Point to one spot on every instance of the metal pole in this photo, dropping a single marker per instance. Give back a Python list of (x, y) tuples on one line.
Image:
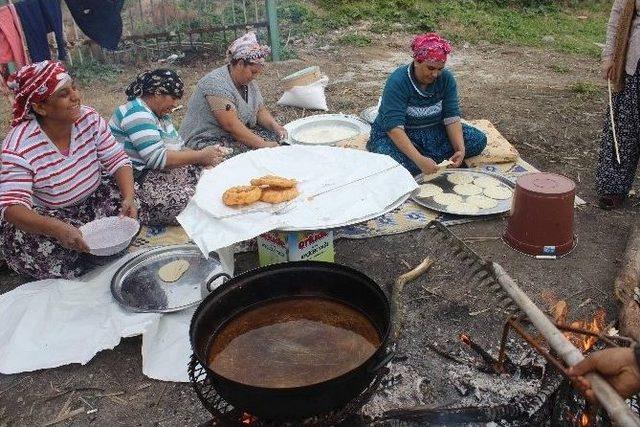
[(274, 33)]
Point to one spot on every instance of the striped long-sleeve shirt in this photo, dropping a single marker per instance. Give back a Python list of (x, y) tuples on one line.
[(145, 136), (35, 172)]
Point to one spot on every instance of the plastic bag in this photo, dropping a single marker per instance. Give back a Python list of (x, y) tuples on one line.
[(310, 97)]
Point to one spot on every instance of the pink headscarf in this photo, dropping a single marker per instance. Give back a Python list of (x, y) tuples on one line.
[(35, 83), (248, 49), (430, 47)]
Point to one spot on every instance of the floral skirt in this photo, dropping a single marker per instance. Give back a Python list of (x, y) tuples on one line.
[(229, 142), (163, 194), (613, 178), (43, 257), (432, 142)]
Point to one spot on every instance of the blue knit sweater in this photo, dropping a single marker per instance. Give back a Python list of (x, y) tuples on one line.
[(405, 105)]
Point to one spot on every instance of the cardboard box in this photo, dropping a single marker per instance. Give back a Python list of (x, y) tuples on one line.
[(283, 246)]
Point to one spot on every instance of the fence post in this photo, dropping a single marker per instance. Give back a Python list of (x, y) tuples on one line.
[(274, 33)]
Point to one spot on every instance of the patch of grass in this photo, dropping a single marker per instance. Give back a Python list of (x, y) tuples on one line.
[(559, 68), (575, 26), (584, 89), (91, 71), (355, 39)]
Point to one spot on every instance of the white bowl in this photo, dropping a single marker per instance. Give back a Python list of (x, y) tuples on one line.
[(110, 235)]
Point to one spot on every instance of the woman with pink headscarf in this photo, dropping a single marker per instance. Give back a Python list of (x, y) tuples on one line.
[(60, 169), (418, 122)]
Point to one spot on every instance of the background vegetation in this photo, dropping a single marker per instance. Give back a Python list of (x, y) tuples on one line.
[(567, 26)]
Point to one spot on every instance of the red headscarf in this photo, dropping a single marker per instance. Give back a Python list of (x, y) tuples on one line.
[(430, 47), (35, 83)]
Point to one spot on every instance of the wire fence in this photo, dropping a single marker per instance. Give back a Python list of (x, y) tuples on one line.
[(157, 29)]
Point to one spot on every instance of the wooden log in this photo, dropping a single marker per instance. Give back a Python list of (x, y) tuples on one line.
[(615, 406), (623, 287), (397, 312)]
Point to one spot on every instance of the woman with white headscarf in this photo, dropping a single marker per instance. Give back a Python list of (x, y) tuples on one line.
[(227, 108)]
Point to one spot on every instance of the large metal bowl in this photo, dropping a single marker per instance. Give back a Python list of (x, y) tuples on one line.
[(138, 287), (440, 179), (331, 122)]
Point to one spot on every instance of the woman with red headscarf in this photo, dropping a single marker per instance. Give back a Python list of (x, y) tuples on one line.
[(418, 121), (51, 178)]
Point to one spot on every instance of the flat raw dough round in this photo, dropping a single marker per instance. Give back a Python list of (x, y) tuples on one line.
[(467, 189), (463, 208), (460, 178), (429, 190), (482, 202), (446, 198), (486, 182), (173, 270), (498, 193)]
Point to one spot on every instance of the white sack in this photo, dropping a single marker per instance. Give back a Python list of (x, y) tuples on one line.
[(310, 97)]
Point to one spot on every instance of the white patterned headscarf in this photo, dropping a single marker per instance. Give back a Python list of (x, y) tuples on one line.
[(248, 49)]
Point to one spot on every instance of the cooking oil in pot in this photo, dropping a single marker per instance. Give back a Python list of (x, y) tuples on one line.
[(293, 342)]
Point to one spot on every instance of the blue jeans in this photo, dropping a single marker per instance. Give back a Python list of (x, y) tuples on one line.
[(432, 142)]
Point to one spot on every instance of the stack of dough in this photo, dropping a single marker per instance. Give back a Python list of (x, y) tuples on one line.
[(470, 194)]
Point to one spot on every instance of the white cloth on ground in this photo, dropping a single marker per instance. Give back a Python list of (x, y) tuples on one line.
[(55, 322)]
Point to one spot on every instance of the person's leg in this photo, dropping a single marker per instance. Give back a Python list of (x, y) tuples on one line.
[(164, 194), (379, 142), (42, 257), (434, 142), (105, 201), (613, 180), (475, 140)]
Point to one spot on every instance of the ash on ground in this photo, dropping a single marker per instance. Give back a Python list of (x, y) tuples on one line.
[(433, 368)]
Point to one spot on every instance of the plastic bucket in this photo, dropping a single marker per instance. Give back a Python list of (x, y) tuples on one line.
[(541, 222)]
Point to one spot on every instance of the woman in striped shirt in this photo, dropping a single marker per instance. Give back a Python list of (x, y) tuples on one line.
[(51, 177), (166, 173)]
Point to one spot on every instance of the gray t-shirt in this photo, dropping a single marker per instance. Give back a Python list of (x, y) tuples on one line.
[(199, 123)]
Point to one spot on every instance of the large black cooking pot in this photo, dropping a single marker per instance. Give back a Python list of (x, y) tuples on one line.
[(304, 278)]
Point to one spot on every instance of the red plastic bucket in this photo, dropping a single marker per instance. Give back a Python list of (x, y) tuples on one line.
[(541, 221)]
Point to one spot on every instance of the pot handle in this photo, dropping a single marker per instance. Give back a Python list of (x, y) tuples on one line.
[(214, 278), (386, 359)]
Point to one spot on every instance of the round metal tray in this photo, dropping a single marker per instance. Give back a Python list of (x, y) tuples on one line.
[(326, 120), (442, 181), (137, 286)]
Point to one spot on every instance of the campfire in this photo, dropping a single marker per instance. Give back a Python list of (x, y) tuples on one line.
[(458, 361)]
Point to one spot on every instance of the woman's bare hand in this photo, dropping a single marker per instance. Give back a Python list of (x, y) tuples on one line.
[(427, 165), (70, 237), (212, 155)]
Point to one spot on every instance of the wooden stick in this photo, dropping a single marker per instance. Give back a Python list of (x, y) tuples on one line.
[(616, 407), (397, 313), (613, 124)]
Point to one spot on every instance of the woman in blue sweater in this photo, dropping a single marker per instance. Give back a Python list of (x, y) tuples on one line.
[(418, 121)]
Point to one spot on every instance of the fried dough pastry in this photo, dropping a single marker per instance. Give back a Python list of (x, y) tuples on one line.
[(279, 195), (241, 195), (274, 181)]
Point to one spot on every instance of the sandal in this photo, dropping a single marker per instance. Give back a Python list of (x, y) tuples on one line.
[(611, 201)]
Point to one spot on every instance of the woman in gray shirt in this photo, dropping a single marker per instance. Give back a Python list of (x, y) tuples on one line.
[(227, 108)]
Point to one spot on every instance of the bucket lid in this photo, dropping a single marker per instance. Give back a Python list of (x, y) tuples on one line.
[(546, 183)]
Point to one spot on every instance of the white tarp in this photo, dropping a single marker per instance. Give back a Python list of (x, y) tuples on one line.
[(55, 322), (324, 201)]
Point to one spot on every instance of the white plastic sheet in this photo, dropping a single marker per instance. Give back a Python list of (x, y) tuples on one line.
[(376, 184), (55, 322)]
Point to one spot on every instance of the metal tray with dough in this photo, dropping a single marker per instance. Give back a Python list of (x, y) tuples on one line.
[(325, 129), (440, 179), (138, 287)]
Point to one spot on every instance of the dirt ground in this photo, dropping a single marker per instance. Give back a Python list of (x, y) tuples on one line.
[(526, 93)]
